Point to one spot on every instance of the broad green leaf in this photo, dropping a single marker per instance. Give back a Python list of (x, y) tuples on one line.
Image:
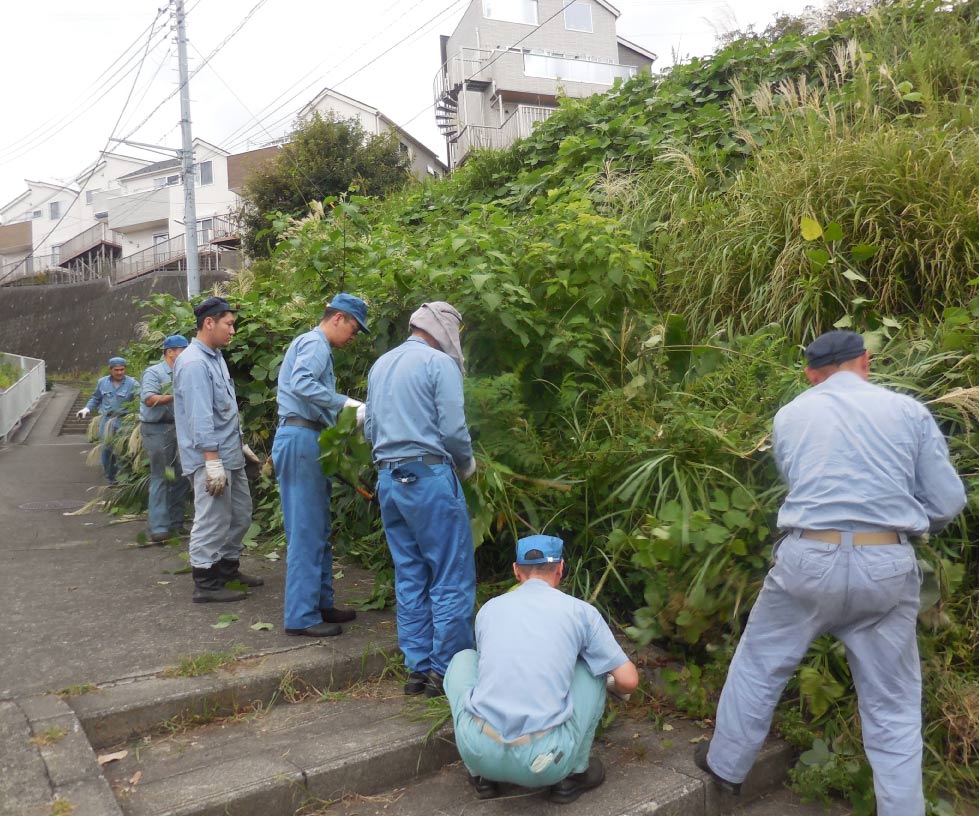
[(818, 258), (834, 232), (816, 756), (849, 274), (843, 323), (811, 230), (224, 621), (862, 252)]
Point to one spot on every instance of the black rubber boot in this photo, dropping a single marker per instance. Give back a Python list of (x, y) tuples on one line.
[(209, 586), (230, 571)]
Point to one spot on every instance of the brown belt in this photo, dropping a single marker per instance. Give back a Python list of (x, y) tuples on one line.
[(494, 735), (859, 539)]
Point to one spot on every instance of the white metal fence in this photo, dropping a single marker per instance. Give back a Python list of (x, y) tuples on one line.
[(18, 400)]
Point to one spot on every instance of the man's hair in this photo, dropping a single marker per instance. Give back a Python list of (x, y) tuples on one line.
[(329, 311), (201, 318), (539, 569)]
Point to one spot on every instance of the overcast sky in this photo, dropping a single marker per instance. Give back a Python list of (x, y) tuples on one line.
[(60, 107)]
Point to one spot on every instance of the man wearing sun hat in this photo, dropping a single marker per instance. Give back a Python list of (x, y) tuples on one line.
[(308, 403), (527, 701), (168, 486), (111, 399), (866, 468)]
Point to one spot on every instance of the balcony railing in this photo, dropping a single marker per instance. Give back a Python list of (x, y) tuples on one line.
[(90, 238), (17, 401), (465, 64), (518, 125), (28, 268)]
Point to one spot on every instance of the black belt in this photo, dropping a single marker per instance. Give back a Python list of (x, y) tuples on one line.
[(299, 422), (158, 422), (426, 459)]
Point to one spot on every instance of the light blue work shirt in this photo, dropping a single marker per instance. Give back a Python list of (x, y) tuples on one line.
[(415, 405), (528, 642), (206, 408), (156, 379), (307, 384), (111, 398), (856, 456)]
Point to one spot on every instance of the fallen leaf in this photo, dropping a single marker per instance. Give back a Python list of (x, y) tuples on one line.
[(701, 738), (667, 727), (163, 583), (105, 759), (134, 779), (224, 621), (260, 626)]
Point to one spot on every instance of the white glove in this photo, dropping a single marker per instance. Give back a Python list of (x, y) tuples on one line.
[(83, 414), (468, 470), (250, 455), (361, 415), (352, 403), (216, 479), (610, 688)]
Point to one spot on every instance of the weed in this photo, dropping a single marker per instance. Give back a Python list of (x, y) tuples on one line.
[(49, 736), (203, 663), (61, 807), (77, 690)]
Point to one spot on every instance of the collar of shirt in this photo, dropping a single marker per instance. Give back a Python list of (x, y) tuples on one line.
[(205, 348)]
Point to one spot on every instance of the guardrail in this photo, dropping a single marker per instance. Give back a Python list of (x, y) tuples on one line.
[(18, 400)]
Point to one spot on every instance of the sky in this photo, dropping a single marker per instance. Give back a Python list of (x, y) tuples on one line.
[(80, 73)]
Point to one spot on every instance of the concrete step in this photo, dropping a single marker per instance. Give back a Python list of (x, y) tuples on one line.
[(649, 770), (280, 759)]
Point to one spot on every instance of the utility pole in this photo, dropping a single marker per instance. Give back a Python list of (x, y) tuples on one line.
[(187, 154)]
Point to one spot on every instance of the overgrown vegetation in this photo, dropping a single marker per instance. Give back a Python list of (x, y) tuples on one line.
[(9, 374), (636, 280)]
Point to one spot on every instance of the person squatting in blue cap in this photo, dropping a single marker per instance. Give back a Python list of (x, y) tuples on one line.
[(527, 701), (111, 399), (865, 468), (309, 402), (168, 486)]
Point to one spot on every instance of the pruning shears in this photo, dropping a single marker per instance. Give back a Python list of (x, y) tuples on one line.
[(361, 488)]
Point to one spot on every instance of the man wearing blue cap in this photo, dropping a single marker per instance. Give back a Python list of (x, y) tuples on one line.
[(111, 399), (212, 455), (416, 424), (866, 468), (308, 403), (527, 702), (168, 486)]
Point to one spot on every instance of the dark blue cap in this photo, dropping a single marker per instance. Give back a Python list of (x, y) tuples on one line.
[(212, 307), (539, 549), (353, 306), (116, 361), (833, 348), (175, 341)]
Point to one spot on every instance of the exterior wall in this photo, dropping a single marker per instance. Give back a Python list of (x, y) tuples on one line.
[(241, 165), (77, 327), (629, 57)]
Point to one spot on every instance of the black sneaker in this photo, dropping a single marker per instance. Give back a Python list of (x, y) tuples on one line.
[(700, 760), (416, 683), (571, 787), (336, 615), (485, 788), (434, 687)]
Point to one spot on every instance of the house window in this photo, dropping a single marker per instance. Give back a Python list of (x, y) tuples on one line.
[(165, 181), (160, 246), (577, 15), (35, 214), (55, 253), (205, 230), (89, 196), (205, 173), (575, 70), (54, 210), (512, 11)]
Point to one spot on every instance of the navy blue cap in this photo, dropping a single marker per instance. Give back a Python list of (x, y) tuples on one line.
[(833, 348), (539, 549), (175, 341), (212, 307), (116, 361), (353, 306)]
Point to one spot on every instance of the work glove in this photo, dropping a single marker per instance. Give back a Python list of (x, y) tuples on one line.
[(468, 470), (352, 403), (361, 415), (215, 478), (83, 414), (250, 455)]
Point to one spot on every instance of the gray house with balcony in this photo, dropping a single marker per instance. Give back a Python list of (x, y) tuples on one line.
[(507, 62)]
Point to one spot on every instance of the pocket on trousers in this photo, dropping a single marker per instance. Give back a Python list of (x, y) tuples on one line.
[(897, 568)]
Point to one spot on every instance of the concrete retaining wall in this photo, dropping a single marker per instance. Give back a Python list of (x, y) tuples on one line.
[(78, 326)]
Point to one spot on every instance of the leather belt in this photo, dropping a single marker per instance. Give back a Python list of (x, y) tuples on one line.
[(427, 459), (859, 539), (299, 422), (494, 735), (158, 422)]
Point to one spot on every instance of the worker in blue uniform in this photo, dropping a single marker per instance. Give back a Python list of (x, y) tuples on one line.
[(212, 456), (416, 424), (527, 702), (866, 469), (168, 486), (112, 398), (308, 402)]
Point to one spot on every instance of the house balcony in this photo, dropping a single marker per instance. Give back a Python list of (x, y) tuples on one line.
[(519, 125), (31, 270), (15, 238), (95, 240), (172, 255), (136, 211)]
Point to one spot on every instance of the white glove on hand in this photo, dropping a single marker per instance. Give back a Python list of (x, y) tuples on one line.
[(250, 455), (352, 403), (610, 688), (361, 415), (468, 470), (83, 414), (216, 479)]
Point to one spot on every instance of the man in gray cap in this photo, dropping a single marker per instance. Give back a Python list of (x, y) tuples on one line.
[(111, 399), (416, 424), (526, 704), (168, 487), (866, 469), (212, 455), (308, 403)]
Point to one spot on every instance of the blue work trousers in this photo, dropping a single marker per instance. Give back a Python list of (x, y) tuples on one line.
[(540, 759), (426, 523), (168, 488), (220, 522), (108, 426), (305, 495), (868, 597)]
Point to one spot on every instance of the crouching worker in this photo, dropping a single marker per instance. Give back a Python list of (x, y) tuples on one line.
[(527, 702)]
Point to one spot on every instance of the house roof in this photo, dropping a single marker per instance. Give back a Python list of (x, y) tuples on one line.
[(610, 7), (150, 169), (637, 48)]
